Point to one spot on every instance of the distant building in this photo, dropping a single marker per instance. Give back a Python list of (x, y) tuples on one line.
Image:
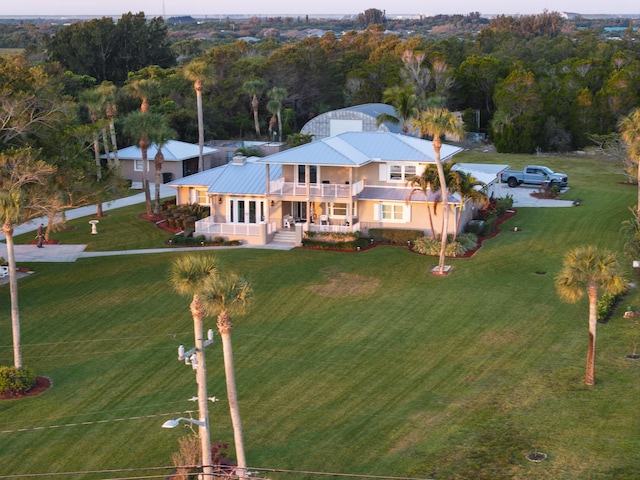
[(359, 118)]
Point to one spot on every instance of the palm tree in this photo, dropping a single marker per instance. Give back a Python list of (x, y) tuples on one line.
[(437, 122), (405, 102), (142, 89), (190, 276), (199, 72), (254, 88), (160, 136), (10, 206), (629, 127), (589, 269), (277, 96), (143, 126), (18, 171), (230, 294), (108, 91), (425, 183), (94, 101), (465, 186)]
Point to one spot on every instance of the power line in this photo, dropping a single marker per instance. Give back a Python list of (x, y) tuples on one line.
[(77, 424), (219, 472)]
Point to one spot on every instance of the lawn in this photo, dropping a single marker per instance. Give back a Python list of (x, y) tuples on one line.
[(358, 363)]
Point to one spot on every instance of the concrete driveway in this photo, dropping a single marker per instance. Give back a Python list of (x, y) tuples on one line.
[(522, 197)]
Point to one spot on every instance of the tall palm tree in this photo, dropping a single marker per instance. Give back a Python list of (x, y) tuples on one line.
[(160, 136), (190, 276), (629, 127), (589, 269), (437, 122), (405, 102), (226, 295), (199, 72), (278, 95), (143, 126), (425, 183), (18, 171), (108, 92), (10, 206), (93, 100), (255, 88)]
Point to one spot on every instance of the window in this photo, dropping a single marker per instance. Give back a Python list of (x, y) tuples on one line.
[(401, 172), (313, 174), (338, 209), (137, 165), (393, 212)]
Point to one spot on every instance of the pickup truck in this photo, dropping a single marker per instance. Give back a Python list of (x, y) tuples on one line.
[(534, 175)]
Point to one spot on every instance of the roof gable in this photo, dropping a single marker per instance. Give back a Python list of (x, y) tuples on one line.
[(173, 151), (355, 149)]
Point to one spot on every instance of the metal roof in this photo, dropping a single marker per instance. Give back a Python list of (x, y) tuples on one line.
[(354, 149), (402, 195), (372, 110), (485, 173), (248, 178), (173, 151)]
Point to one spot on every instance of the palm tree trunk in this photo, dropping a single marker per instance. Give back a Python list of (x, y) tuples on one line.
[(197, 311), (158, 164), (96, 154), (256, 121), (198, 88), (145, 181), (234, 410), (445, 207), (592, 292), (13, 293)]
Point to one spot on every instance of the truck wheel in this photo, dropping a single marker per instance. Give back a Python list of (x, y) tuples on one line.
[(512, 182)]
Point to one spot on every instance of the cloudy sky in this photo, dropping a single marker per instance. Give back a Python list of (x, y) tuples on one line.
[(284, 7)]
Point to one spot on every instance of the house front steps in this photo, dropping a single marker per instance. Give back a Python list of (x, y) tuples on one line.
[(285, 237)]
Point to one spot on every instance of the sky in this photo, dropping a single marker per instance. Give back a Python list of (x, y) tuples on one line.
[(290, 7)]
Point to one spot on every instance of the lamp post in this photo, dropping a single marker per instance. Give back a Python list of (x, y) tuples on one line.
[(195, 358)]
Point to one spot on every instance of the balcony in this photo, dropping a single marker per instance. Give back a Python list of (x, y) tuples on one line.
[(316, 190)]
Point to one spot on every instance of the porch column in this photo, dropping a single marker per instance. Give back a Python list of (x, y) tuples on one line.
[(307, 184), (350, 204), (266, 190)]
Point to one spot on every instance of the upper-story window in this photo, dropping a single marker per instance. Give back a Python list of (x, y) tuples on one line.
[(313, 174), (401, 173)]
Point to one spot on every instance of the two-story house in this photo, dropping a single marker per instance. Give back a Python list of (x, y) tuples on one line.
[(349, 182)]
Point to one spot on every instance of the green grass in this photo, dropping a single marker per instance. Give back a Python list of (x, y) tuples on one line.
[(387, 371)]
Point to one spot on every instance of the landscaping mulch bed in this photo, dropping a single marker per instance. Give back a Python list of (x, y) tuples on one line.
[(160, 222), (42, 385)]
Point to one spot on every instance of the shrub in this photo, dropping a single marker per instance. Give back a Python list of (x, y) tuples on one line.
[(350, 245), (463, 244), (16, 382), (503, 204), (182, 239), (333, 237), (395, 235), (184, 216), (606, 305)]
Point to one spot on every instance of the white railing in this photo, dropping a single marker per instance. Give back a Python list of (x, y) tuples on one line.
[(325, 190), (314, 227), (207, 226)]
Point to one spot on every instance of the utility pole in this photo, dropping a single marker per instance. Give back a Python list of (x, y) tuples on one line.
[(195, 358)]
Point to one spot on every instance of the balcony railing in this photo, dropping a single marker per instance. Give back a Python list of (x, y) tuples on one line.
[(323, 190)]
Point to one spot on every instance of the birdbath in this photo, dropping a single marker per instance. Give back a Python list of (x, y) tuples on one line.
[(93, 223)]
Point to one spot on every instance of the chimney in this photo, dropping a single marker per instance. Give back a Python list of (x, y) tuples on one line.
[(238, 159)]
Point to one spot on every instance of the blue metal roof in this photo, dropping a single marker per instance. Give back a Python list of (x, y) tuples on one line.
[(402, 195), (353, 149), (173, 151), (248, 178)]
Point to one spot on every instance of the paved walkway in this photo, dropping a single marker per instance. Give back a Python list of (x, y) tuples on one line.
[(70, 253)]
